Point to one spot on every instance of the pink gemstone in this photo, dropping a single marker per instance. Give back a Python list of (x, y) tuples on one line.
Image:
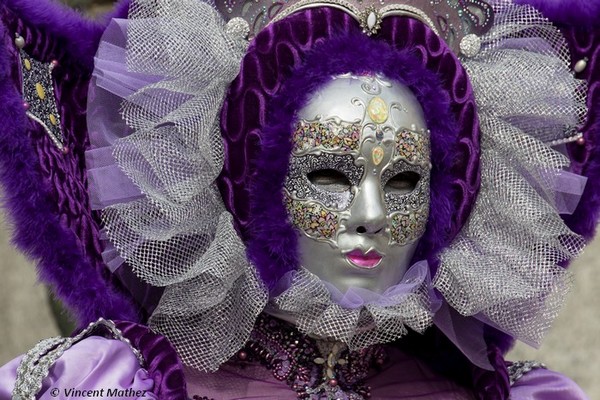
[(54, 63), (26, 105), (581, 141), (65, 150), (242, 355), (333, 382)]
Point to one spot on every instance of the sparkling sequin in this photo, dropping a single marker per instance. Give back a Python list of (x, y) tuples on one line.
[(412, 147), (312, 218), (407, 228), (378, 110), (298, 185), (329, 135)]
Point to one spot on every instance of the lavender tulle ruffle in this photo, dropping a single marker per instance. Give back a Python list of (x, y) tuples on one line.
[(113, 82)]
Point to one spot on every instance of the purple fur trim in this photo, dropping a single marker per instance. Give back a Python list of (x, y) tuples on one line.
[(273, 244), (40, 232), (571, 12)]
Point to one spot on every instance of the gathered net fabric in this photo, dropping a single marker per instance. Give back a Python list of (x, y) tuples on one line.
[(534, 88), (504, 267), (179, 235), (310, 302)]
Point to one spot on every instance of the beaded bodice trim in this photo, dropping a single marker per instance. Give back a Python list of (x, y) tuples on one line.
[(313, 368)]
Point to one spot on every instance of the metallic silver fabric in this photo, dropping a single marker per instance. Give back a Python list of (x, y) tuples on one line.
[(504, 266), (518, 369), (179, 235)]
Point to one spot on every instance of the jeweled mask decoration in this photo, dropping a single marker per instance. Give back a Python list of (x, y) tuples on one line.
[(357, 188)]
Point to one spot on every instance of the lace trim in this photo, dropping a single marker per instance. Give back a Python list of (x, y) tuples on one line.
[(519, 368), (36, 363)]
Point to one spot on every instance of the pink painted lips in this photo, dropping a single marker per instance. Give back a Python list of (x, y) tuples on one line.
[(362, 260)]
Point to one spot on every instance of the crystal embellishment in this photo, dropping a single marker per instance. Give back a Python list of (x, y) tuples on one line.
[(377, 155), (38, 94), (378, 110), (370, 21), (470, 45)]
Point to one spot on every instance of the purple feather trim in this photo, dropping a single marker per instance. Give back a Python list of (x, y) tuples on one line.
[(571, 12)]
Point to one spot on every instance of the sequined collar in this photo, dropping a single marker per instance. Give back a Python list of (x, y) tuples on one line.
[(313, 368)]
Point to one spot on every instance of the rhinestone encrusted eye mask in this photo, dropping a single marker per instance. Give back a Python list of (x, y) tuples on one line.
[(357, 187)]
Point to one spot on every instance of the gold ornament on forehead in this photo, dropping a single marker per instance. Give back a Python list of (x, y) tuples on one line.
[(378, 110), (377, 154)]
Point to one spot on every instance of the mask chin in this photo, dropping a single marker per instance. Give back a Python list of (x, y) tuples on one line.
[(357, 190)]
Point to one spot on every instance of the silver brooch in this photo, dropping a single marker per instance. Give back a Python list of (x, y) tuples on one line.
[(370, 21)]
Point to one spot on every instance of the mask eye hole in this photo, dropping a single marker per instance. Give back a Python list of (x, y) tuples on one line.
[(402, 183), (330, 180)]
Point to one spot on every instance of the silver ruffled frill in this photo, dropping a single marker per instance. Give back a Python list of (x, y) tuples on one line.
[(504, 267), (178, 235)]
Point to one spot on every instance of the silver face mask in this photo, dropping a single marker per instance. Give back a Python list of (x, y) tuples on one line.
[(357, 188)]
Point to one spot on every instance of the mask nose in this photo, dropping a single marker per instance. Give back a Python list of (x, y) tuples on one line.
[(368, 214)]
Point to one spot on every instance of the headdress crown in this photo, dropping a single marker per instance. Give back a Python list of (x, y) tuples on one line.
[(450, 19)]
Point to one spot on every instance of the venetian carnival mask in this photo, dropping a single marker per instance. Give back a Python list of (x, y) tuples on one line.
[(357, 188)]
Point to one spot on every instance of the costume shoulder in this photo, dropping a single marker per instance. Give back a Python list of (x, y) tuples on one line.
[(540, 383), (110, 366), (46, 62)]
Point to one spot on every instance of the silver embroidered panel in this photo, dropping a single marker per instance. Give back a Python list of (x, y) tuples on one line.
[(38, 94)]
